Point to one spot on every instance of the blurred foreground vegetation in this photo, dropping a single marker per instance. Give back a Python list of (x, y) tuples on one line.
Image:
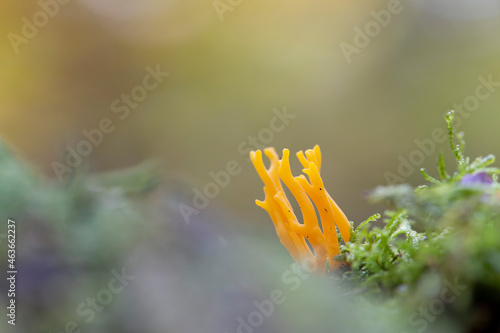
[(434, 264)]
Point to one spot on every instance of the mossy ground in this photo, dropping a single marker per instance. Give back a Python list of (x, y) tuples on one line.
[(436, 237)]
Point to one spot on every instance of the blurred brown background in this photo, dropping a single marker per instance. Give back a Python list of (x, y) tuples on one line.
[(226, 77)]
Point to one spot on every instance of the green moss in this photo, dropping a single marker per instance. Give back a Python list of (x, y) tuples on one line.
[(445, 230)]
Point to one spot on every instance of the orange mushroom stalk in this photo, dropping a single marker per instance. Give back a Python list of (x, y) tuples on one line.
[(307, 191)]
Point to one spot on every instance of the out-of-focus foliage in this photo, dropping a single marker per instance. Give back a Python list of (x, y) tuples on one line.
[(70, 236)]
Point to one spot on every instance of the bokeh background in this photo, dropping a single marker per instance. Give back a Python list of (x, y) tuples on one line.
[(226, 77)]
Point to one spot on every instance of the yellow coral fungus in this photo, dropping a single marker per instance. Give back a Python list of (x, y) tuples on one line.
[(307, 191)]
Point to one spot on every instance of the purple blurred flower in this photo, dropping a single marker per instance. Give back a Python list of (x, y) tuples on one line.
[(477, 178)]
